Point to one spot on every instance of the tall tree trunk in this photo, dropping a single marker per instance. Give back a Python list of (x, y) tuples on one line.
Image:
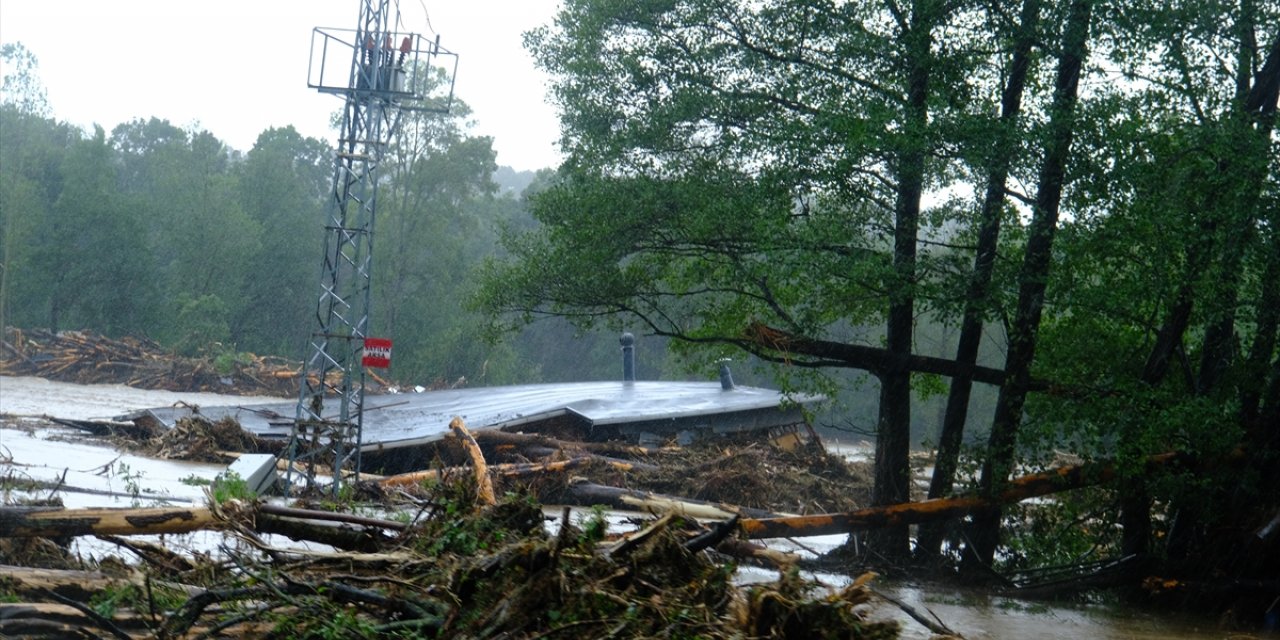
[(893, 437), (1135, 503), (952, 435), (1261, 104), (1263, 349), (1244, 161), (1269, 409), (1034, 275), (1253, 119)]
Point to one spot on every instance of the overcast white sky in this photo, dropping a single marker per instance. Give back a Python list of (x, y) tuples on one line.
[(237, 67)]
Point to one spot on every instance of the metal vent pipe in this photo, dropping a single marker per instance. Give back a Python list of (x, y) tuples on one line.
[(726, 376), (628, 343)]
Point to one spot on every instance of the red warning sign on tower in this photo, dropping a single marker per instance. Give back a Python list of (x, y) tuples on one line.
[(377, 353)]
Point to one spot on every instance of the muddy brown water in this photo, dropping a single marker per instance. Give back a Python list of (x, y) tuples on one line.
[(32, 449), (979, 616)]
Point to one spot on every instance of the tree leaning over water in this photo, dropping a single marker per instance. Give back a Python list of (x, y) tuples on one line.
[(804, 180)]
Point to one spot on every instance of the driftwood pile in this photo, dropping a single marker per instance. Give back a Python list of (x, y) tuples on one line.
[(450, 551), (89, 358), (446, 563), (199, 439)]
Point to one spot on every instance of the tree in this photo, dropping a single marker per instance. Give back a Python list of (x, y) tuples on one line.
[(88, 253), (743, 176), (996, 166), (1155, 308), (1201, 164), (203, 240), (434, 227), (23, 106), (21, 87), (732, 182), (283, 181), (1034, 275)]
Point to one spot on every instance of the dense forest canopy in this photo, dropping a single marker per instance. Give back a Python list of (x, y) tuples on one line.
[(1092, 183), (161, 231)]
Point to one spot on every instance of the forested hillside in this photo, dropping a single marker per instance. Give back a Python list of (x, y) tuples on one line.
[(159, 231)]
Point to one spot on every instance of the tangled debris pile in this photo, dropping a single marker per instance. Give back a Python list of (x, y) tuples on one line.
[(89, 358), (741, 474), (196, 438), (455, 567), (808, 479)]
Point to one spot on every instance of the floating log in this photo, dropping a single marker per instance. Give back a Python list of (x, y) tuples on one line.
[(589, 494), (331, 516), (338, 536), (743, 549), (1017, 490), (497, 437), (510, 470)]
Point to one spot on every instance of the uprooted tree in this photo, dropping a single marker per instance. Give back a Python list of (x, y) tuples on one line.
[(805, 181)]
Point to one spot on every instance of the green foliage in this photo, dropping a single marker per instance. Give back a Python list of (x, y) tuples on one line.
[(195, 481), (343, 623), (132, 481), (732, 166), (226, 360), (343, 500), (284, 181), (594, 527), (230, 486), (1069, 530), (736, 166), (9, 589), (201, 324), (165, 232), (116, 596), (21, 85), (464, 528)]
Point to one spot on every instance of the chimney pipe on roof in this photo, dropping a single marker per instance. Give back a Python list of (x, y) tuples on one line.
[(628, 343), (726, 376)]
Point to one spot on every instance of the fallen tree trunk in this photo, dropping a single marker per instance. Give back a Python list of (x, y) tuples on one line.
[(336, 535), (495, 437), (57, 620), (484, 484), (343, 531), (52, 522), (1017, 490), (588, 494), (30, 582), (510, 470), (330, 516)]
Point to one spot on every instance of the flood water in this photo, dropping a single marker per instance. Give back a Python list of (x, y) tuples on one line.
[(32, 449), (979, 616)]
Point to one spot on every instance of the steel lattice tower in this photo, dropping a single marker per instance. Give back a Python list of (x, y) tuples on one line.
[(378, 85)]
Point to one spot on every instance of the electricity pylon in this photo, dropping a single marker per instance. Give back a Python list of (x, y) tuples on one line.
[(375, 69)]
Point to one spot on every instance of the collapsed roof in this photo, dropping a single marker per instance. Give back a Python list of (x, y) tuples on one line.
[(636, 410)]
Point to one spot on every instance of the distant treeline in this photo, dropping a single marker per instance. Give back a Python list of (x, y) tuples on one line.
[(159, 231)]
